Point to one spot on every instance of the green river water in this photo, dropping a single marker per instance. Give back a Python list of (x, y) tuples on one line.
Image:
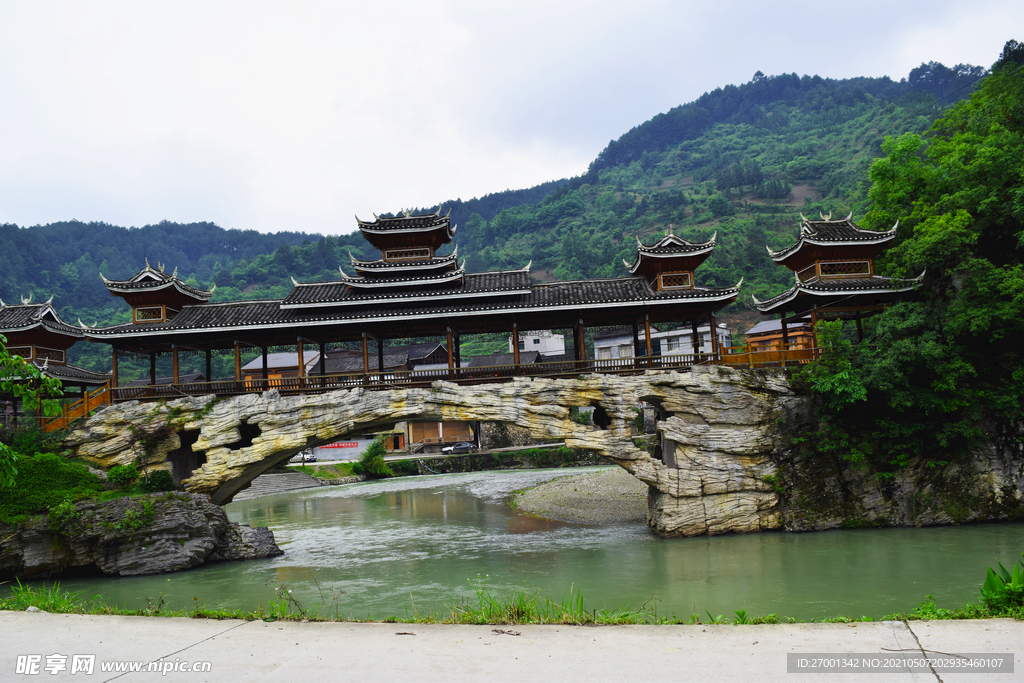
[(412, 546)]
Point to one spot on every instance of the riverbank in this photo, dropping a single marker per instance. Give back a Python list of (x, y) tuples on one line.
[(612, 496), (235, 650)]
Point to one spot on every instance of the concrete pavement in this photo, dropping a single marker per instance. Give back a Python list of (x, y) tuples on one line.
[(241, 651)]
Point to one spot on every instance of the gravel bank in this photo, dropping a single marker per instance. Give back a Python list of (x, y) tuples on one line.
[(612, 496)]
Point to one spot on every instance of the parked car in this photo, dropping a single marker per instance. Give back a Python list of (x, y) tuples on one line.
[(307, 456), (461, 447)]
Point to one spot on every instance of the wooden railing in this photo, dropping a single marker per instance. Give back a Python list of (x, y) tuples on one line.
[(412, 378), (780, 355), (89, 402)]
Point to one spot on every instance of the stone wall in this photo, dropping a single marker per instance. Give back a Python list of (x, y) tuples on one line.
[(725, 461)]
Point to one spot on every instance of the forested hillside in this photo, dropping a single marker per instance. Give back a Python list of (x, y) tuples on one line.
[(742, 161)]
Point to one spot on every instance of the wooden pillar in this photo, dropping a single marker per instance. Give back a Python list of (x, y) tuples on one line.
[(366, 356), (695, 345), (323, 358), (263, 350), (458, 351), (152, 367), (647, 336), (515, 346), (636, 343), (581, 348), (380, 356), (302, 359), (814, 324), (860, 330), (785, 332), (238, 361), (209, 365), (113, 368), (451, 355), (714, 340), (174, 363)]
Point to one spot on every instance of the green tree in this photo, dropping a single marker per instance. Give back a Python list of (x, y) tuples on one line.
[(946, 367), (24, 381)]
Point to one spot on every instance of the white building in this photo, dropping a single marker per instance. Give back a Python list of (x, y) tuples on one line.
[(545, 342), (618, 343)]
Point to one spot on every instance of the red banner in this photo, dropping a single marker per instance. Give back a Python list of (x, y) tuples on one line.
[(342, 444)]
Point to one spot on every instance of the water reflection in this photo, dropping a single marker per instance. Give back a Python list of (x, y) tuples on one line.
[(411, 545)]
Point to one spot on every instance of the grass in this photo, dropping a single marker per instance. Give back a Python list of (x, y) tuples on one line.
[(520, 607), (332, 471)]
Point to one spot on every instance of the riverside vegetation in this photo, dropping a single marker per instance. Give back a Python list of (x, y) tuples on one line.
[(1002, 595)]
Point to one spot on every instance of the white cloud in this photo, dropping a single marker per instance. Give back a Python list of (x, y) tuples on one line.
[(274, 116)]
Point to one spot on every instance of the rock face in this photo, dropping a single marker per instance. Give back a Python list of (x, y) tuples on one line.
[(131, 536), (725, 460)]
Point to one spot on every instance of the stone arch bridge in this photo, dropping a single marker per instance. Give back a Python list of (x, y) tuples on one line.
[(716, 426)]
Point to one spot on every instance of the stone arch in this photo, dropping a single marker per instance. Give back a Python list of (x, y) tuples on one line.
[(243, 436)]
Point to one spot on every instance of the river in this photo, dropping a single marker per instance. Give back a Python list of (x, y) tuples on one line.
[(414, 545)]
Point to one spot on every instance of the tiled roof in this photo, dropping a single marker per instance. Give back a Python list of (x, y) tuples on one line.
[(413, 264), (355, 363), (879, 284), (72, 373), (827, 231), (427, 221), (150, 278), (668, 246), (421, 304), (28, 316), (321, 294), (183, 378), (501, 359)]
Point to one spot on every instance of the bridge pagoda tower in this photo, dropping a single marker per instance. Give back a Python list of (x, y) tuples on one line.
[(833, 265)]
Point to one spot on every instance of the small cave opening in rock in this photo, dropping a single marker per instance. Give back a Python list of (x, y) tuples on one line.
[(600, 418), (184, 461), (247, 434)]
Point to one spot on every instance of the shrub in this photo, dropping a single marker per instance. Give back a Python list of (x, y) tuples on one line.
[(122, 476), (62, 514), (371, 464), (44, 481), (160, 480)]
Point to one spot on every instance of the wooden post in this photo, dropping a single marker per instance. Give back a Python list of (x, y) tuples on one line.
[(366, 356), (174, 363), (238, 361), (814, 336), (647, 336), (515, 347), (695, 343), (716, 358), (209, 365), (380, 357), (458, 352), (263, 350), (323, 358), (302, 360), (451, 356), (152, 367), (636, 343), (581, 348)]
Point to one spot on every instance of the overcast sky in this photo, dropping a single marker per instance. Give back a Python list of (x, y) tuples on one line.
[(297, 115)]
